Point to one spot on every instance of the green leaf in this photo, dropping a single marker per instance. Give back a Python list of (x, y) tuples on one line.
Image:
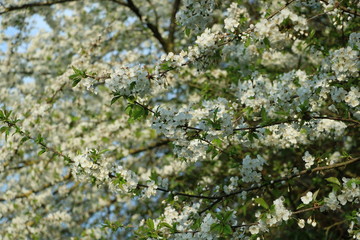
[(217, 142), (333, 180), (136, 112), (166, 66), (79, 72), (267, 42), (219, 216), (3, 129), (119, 180), (312, 33), (24, 139), (187, 32), (132, 85), (39, 139), (315, 194), (7, 132), (77, 76), (228, 229), (264, 117), (301, 206), (41, 152), (247, 42), (262, 203), (351, 181), (216, 227), (164, 224), (104, 151), (150, 224), (114, 99), (227, 216)]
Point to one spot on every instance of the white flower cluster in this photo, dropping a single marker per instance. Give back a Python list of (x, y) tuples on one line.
[(218, 110), (326, 126), (208, 220), (354, 40), (150, 190), (307, 198), (353, 225), (275, 59), (345, 63), (91, 166), (89, 84), (250, 168), (353, 97), (128, 180), (127, 81), (235, 12), (254, 93), (338, 94), (182, 218), (169, 122), (85, 166), (163, 182), (308, 159), (206, 39), (350, 192), (284, 136), (280, 214), (260, 227), (196, 14), (232, 186), (205, 231), (192, 151), (58, 217), (270, 28), (213, 117), (205, 46), (176, 60)]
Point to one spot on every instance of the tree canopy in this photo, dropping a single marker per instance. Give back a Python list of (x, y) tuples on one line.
[(179, 119)]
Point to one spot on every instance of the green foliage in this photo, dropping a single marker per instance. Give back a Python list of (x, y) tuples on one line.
[(114, 226), (77, 76), (136, 112), (149, 230), (119, 180), (261, 202), (333, 180), (223, 227)]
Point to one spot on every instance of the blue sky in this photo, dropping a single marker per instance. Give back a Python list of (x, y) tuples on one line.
[(36, 21)]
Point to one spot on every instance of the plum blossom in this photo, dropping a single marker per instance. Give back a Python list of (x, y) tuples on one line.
[(307, 198)]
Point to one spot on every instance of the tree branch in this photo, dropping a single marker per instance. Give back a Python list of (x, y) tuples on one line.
[(172, 27), (33, 4), (219, 198), (343, 8), (28, 193), (151, 26), (280, 9)]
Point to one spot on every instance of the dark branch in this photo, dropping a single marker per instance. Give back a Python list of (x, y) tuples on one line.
[(343, 8), (286, 178), (151, 26), (172, 27), (33, 4), (44, 187)]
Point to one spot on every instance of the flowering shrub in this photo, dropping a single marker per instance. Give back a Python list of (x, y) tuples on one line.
[(129, 119)]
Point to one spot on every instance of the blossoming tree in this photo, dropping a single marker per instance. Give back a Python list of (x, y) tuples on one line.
[(193, 119)]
